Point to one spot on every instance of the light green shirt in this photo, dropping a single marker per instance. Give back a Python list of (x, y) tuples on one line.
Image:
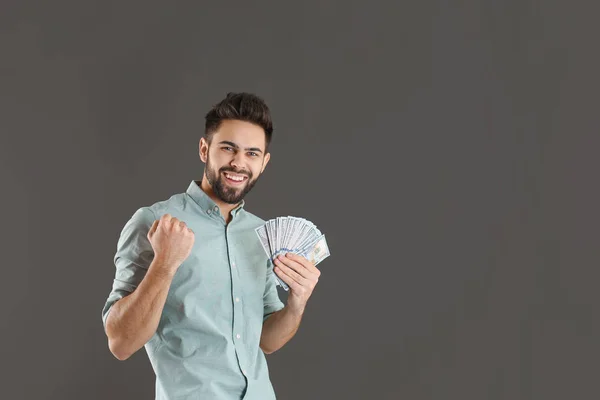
[(206, 345)]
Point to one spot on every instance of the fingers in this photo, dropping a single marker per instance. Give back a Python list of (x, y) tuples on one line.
[(286, 276), (166, 217), (304, 262), (168, 222), (153, 228), (297, 272), (293, 266), (290, 271)]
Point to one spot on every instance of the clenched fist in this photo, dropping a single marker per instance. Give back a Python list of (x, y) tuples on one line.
[(171, 240)]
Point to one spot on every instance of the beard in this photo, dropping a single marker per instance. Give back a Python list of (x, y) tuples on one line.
[(220, 187)]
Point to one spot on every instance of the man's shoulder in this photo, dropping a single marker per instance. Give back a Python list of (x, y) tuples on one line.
[(174, 203), (152, 211)]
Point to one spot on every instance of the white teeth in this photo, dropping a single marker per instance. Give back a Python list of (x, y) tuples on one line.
[(235, 178)]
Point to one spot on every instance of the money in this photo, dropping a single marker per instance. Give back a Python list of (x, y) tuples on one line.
[(292, 235)]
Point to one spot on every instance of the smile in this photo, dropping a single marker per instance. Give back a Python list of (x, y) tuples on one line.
[(234, 178)]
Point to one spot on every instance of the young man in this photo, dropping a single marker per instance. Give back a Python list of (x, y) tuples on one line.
[(193, 284)]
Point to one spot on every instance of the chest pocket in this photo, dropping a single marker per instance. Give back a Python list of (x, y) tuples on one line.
[(252, 269)]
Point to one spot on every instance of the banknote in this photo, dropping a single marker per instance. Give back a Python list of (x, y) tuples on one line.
[(292, 235)]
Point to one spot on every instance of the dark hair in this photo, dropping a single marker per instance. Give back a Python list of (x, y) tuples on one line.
[(240, 106)]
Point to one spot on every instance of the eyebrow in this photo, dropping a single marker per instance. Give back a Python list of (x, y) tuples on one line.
[(235, 146)]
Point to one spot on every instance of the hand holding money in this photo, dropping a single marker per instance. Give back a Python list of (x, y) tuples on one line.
[(283, 235), (300, 275)]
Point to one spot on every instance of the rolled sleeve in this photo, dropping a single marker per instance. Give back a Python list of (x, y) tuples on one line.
[(271, 300), (132, 259)]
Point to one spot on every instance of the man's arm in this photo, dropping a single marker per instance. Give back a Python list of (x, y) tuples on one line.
[(302, 277), (133, 320), (278, 329)]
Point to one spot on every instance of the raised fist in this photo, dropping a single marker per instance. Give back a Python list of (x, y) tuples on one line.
[(171, 240)]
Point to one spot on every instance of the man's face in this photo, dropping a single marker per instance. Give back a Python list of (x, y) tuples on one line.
[(234, 159)]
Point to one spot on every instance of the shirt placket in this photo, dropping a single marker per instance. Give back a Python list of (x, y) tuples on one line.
[(238, 316)]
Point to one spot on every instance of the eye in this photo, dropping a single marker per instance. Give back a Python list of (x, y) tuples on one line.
[(252, 154), (227, 148)]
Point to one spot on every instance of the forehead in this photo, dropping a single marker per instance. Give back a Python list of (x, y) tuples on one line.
[(244, 134)]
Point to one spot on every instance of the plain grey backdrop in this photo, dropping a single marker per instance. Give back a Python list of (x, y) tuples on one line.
[(448, 150)]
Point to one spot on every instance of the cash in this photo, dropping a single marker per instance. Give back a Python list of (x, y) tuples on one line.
[(292, 235)]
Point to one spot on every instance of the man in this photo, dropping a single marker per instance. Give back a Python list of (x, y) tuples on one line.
[(193, 284)]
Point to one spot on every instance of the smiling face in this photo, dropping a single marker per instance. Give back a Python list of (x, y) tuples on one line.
[(234, 158)]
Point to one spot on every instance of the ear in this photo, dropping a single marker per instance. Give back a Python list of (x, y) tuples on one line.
[(265, 162), (203, 149)]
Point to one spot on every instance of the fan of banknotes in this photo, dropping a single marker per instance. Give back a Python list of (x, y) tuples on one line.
[(292, 235)]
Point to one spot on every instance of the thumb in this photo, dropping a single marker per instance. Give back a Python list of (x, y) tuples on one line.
[(153, 229)]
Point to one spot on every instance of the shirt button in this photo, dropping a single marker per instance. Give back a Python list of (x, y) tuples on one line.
[(237, 299), (233, 265), (238, 336), (216, 208), (209, 211), (244, 371)]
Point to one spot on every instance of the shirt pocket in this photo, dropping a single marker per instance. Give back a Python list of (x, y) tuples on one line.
[(253, 271)]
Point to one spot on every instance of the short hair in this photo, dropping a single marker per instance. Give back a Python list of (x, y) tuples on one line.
[(243, 107)]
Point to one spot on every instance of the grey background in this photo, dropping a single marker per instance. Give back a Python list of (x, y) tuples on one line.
[(447, 149)]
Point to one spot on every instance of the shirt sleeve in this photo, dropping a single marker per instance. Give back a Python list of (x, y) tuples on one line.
[(271, 300), (132, 259)]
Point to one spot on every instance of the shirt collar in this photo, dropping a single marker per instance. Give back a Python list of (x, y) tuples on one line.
[(204, 201)]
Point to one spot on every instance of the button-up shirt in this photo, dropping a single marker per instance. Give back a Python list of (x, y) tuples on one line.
[(206, 345)]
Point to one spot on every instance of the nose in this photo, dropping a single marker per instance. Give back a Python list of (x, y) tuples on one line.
[(237, 161)]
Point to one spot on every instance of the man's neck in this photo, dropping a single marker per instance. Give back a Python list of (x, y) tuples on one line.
[(224, 207)]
